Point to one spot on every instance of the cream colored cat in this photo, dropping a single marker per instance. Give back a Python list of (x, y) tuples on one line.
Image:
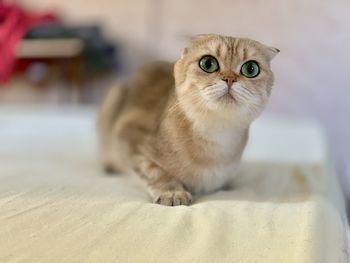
[(182, 128)]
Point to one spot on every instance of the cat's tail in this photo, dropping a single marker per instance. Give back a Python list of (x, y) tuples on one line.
[(110, 109)]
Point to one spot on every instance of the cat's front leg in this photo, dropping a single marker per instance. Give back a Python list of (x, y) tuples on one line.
[(164, 189)]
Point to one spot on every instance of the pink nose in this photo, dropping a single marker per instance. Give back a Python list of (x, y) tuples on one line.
[(229, 80)]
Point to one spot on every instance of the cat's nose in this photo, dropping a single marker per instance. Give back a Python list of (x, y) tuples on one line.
[(229, 81)]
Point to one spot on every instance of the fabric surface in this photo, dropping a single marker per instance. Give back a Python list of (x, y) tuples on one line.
[(56, 205)]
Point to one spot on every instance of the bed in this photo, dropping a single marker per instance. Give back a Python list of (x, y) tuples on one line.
[(57, 205)]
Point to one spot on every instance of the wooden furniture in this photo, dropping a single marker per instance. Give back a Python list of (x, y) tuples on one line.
[(66, 55)]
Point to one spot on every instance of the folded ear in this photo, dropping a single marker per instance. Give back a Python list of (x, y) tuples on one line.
[(186, 38), (184, 52), (193, 39), (189, 42), (272, 52)]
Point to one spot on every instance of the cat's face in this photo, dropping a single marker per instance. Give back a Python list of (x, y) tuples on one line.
[(225, 77)]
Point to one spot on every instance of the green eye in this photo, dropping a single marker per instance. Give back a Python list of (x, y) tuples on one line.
[(209, 64), (250, 69)]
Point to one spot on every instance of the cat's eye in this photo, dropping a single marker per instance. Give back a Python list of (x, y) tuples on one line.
[(209, 64), (250, 69)]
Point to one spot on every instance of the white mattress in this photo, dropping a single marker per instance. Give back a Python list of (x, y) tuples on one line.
[(56, 205)]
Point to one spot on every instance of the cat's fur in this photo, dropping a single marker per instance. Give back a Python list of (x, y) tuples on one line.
[(180, 129)]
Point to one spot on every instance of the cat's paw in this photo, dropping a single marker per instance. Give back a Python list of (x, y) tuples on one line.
[(174, 198)]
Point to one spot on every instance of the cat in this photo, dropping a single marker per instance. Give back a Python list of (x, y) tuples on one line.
[(182, 127)]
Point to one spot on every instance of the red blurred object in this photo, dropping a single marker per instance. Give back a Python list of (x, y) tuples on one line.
[(14, 24)]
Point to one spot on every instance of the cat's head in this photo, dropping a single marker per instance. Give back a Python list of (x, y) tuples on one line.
[(225, 78)]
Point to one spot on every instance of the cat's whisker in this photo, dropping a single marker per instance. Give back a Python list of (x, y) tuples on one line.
[(243, 93), (246, 90)]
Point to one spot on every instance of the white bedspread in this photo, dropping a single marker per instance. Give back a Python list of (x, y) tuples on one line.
[(56, 205)]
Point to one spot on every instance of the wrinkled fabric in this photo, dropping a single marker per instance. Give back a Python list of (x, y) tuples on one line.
[(56, 205)]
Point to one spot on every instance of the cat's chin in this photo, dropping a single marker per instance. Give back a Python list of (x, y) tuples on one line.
[(230, 111), (227, 100), (224, 104)]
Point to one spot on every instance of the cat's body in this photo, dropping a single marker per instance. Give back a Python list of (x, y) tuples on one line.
[(185, 135)]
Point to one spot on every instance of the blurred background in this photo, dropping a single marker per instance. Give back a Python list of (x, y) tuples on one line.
[(71, 52)]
